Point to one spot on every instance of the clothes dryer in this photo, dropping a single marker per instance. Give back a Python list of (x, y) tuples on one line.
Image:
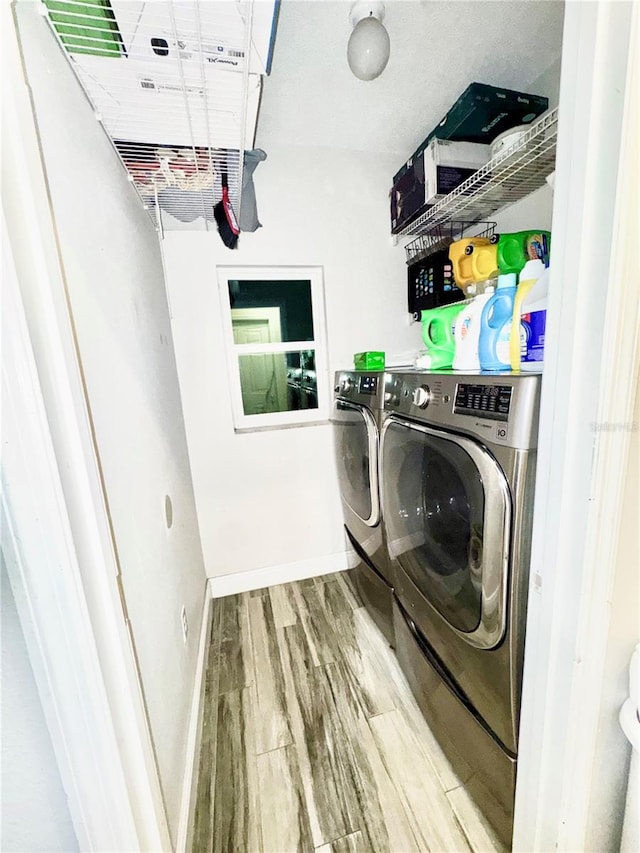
[(457, 482), (356, 419)]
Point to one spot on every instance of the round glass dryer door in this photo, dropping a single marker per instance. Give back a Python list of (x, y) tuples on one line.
[(356, 449), (446, 512)]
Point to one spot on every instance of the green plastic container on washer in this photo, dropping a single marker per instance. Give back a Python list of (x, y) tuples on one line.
[(370, 360), (438, 325)]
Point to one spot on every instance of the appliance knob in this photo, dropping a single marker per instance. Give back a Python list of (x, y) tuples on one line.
[(347, 385), (421, 396)]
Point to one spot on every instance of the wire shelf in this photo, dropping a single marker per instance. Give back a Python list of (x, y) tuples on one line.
[(508, 177), (176, 85), (442, 235)]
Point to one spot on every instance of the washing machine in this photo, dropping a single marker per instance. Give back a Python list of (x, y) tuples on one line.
[(356, 419), (458, 456)]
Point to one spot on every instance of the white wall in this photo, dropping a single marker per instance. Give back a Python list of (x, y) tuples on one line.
[(548, 83), (35, 813), (271, 498), (112, 264), (533, 211)]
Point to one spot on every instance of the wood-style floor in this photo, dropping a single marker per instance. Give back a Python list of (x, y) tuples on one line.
[(311, 739)]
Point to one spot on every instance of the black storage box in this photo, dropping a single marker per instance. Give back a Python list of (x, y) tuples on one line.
[(407, 196), (431, 283), (480, 114)]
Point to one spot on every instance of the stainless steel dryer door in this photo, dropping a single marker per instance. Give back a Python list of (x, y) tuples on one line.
[(447, 517), (356, 448)]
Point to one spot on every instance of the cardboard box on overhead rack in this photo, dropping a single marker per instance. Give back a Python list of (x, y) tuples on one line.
[(198, 34), (435, 172), (146, 102), (480, 114)]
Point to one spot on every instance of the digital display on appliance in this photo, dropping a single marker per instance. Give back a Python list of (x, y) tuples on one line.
[(368, 384), (484, 401)]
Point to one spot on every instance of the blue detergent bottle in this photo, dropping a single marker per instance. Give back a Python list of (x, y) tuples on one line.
[(495, 325)]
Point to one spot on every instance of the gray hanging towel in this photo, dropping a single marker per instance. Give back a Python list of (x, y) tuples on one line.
[(248, 219)]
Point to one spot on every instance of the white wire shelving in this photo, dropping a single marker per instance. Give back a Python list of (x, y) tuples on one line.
[(442, 235), (506, 178), (176, 85)]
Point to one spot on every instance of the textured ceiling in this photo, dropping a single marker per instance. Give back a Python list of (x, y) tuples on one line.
[(437, 49)]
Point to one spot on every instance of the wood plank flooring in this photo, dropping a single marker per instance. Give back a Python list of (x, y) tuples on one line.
[(311, 739)]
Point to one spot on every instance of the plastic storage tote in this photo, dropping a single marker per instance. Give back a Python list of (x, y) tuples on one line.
[(431, 283)]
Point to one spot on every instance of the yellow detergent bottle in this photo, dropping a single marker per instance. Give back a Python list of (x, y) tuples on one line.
[(484, 262), (529, 275), (461, 254)]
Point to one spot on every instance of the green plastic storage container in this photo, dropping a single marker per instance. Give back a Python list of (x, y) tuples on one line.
[(368, 360)]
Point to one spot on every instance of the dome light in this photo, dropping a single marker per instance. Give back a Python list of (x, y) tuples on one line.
[(369, 46)]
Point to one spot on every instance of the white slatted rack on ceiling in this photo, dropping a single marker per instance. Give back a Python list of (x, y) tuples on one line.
[(176, 85)]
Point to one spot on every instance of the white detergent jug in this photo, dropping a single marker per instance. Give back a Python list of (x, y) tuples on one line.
[(533, 319), (467, 329)]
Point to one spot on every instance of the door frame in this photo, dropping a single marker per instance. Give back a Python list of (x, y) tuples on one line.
[(56, 535), (579, 469), (587, 399)]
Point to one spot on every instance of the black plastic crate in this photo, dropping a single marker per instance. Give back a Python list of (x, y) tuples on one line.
[(431, 283)]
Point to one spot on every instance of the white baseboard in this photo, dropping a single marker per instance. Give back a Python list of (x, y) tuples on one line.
[(193, 737), (273, 575)]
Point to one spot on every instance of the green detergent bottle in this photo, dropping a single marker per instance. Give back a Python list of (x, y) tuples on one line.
[(438, 325), (514, 250)]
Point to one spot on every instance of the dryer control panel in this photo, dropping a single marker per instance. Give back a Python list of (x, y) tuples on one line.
[(362, 388), (484, 401)]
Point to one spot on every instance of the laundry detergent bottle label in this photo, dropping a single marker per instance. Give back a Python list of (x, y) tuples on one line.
[(533, 343), (528, 277), (533, 317)]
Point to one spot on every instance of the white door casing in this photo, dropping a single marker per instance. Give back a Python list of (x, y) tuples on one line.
[(67, 593), (591, 371)]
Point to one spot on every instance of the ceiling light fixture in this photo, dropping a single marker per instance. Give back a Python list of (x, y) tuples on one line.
[(369, 46)]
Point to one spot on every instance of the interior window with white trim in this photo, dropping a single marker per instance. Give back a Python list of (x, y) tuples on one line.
[(275, 344)]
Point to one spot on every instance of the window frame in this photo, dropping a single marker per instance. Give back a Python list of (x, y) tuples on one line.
[(273, 420)]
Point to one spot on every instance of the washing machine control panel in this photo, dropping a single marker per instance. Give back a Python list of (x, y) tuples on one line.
[(497, 409), (368, 385), (421, 396), (484, 401)]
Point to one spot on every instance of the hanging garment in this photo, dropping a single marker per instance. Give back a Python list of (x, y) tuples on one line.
[(248, 207)]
